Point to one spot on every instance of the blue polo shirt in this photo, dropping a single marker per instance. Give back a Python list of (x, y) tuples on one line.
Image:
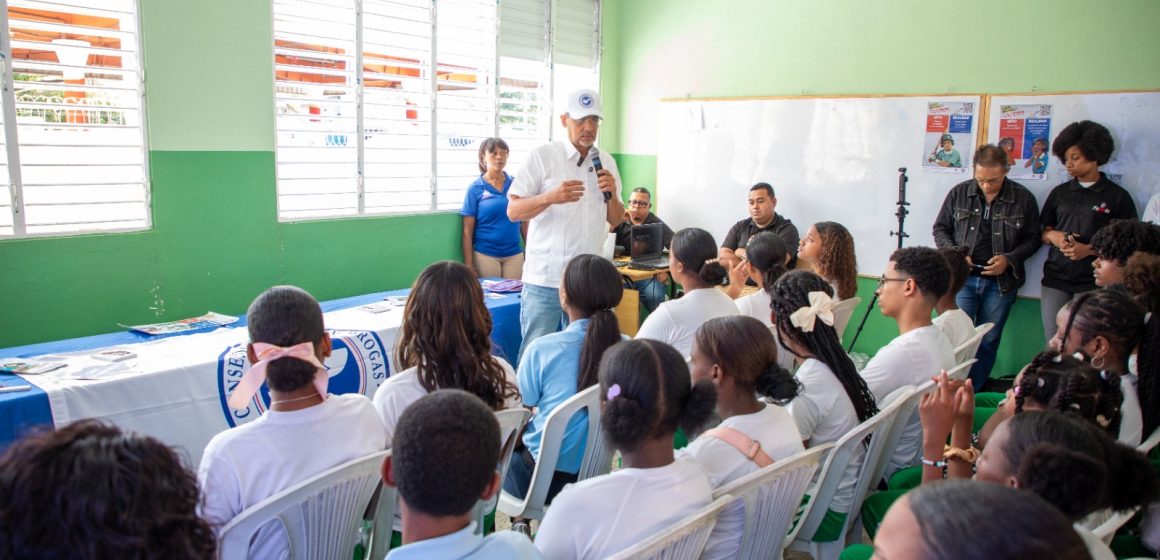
[(547, 377), (495, 235)]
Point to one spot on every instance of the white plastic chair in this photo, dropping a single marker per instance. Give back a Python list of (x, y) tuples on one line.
[(684, 540), (321, 515), (511, 423), (767, 500), (842, 313), (961, 371), (597, 456), (907, 397), (1146, 446), (967, 350), (1106, 530), (846, 449)]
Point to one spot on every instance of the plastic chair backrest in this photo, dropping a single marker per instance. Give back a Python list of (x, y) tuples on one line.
[(967, 350), (846, 450), (511, 423), (321, 515), (961, 371), (1106, 530), (767, 500), (597, 457), (842, 313), (684, 540), (1146, 446), (907, 413)]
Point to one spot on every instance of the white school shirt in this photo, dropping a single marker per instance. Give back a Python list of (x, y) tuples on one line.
[(1131, 417), (1096, 547), (910, 359), (775, 430), (562, 231), (247, 464), (675, 322), (601, 516), (756, 305), (956, 325), (401, 390), (464, 544), (823, 414), (1152, 210)]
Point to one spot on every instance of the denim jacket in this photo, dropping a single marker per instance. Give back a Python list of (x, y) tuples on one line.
[(1015, 226)]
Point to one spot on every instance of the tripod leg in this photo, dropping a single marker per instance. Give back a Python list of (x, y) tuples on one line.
[(866, 315)]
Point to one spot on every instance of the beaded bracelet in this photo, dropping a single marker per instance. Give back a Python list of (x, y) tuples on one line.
[(935, 464)]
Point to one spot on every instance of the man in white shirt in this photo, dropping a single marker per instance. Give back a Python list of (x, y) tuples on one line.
[(442, 461), (569, 204), (915, 278)]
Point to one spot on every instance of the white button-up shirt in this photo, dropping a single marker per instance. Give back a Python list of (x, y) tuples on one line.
[(562, 231)]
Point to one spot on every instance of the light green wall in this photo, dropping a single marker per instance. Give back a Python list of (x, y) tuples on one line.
[(209, 75), (737, 48)]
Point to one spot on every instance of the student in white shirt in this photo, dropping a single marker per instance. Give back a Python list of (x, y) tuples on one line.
[(645, 395), (305, 432), (915, 278), (568, 205), (558, 365), (445, 343), (443, 460), (833, 398), (694, 265), (765, 259), (739, 356), (954, 322)]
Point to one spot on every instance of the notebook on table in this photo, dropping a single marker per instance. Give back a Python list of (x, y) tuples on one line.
[(646, 247)]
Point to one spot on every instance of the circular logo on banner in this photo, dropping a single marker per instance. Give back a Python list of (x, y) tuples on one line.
[(357, 362), (585, 100)]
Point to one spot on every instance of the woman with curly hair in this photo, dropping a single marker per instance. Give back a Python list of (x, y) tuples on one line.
[(1142, 278), (829, 248), (1074, 212), (1113, 245), (90, 491)]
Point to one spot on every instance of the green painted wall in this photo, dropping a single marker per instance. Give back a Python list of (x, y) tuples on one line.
[(739, 48)]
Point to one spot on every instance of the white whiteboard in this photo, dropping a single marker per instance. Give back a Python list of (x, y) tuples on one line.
[(837, 159), (1133, 119), (828, 159)]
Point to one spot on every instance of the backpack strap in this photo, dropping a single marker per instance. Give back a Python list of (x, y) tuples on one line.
[(748, 446)]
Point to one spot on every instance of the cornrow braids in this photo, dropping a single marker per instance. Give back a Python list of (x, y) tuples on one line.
[(790, 293), (1067, 384)]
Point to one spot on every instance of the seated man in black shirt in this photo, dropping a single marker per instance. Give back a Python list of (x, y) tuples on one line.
[(637, 212), (762, 217)]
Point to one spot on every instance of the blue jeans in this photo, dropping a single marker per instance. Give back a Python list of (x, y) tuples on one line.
[(982, 301), (540, 314), (652, 293)]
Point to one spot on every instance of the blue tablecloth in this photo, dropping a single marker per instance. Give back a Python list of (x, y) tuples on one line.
[(20, 412)]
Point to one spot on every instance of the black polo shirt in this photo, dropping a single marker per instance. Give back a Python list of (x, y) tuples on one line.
[(1071, 208), (740, 233)]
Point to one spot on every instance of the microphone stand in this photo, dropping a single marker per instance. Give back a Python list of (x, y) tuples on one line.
[(901, 234)]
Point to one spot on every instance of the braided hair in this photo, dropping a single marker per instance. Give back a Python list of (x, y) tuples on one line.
[(790, 293), (1115, 315), (1065, 383)]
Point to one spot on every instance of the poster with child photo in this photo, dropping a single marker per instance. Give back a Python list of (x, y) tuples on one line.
[(949, 137)]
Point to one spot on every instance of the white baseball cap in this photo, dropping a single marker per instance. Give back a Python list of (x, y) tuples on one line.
[(584, 103)]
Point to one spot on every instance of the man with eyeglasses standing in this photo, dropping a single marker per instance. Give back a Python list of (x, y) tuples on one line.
[(994, 222), (639, 212)]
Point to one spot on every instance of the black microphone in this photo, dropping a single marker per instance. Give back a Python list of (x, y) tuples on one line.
[(596, 165)]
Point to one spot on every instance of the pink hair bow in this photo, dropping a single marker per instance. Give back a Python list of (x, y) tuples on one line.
[(252, 380)]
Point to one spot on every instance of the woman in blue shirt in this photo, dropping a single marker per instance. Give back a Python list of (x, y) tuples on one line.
[(491, 242)]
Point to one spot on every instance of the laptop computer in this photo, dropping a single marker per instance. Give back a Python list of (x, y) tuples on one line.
[(646, 247)]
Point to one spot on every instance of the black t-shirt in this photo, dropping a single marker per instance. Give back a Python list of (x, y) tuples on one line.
[(1071, 208), (740, 233), (984, 247)]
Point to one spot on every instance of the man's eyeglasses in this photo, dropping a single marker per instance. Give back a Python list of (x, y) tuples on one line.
[(638, 203), (882, 280), (991, 181)]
